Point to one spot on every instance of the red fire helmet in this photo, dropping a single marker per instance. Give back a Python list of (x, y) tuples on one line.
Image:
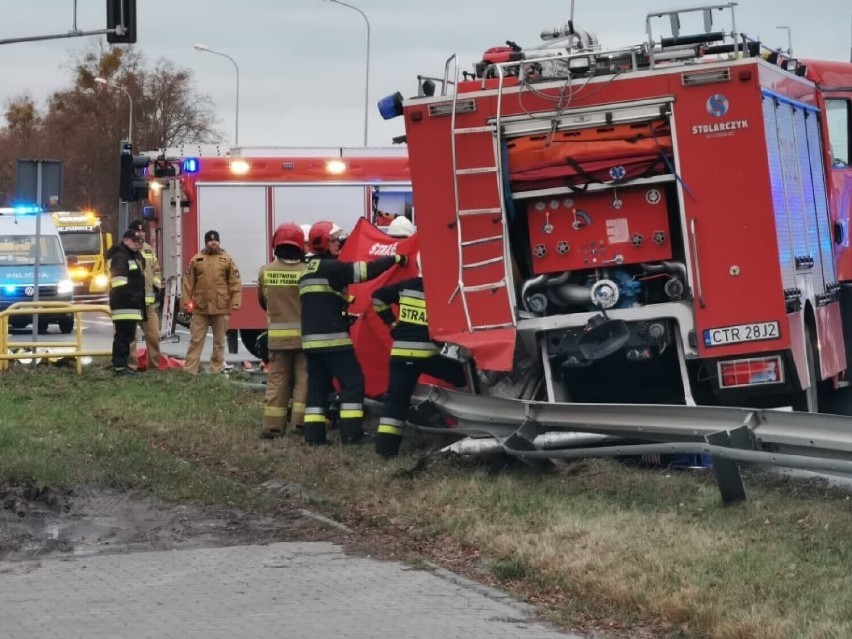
[(319, 235), (289, 234)]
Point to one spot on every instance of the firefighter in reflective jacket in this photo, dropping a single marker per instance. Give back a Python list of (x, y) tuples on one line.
[(325, 332), (212, 286), (412, 354), (126, 297), (278, 294), (153, 284)]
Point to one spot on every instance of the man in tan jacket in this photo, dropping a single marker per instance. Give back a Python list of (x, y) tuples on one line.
[(210, 290), (278, 294), (151, 322)]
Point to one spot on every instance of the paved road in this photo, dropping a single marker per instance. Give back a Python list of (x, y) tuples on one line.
[(97, 335), (292, 590)]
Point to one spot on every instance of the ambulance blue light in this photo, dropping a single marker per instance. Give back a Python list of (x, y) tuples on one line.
[(190, 165)]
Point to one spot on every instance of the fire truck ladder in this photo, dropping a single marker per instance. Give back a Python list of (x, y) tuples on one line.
[(469, 137), (541, 432)]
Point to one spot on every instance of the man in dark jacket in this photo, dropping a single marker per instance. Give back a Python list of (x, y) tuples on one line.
[(126, 297), (412, 354), (325, 332)]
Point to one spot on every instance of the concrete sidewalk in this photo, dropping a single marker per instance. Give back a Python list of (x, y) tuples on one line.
[(292, 590)]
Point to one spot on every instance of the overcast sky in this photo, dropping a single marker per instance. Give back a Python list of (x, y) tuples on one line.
[(302, 62)]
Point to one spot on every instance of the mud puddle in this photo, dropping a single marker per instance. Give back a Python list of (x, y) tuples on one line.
[(43, 522)]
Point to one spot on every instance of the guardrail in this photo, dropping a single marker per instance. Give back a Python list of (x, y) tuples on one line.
[(729, 435), (51, 308)]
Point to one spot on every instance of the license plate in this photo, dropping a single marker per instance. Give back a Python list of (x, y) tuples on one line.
[(741, 333)]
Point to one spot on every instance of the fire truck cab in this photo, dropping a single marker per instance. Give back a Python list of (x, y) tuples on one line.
[(246, 194), (661, 223)]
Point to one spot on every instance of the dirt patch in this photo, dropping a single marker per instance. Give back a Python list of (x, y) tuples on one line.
[(41, 522)]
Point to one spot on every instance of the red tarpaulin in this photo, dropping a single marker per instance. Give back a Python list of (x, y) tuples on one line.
[(370, 335)]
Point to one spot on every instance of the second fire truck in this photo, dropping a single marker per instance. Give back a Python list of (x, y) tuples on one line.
[(246, 196)]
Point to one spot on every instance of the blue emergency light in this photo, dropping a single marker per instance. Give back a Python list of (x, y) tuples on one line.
[(190, 165), (10, 289), (391, 106), (26, 209)]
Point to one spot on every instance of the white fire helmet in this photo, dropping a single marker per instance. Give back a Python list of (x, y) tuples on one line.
[(401, 227)]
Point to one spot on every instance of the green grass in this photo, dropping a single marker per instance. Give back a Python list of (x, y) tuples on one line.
[(600, 545)]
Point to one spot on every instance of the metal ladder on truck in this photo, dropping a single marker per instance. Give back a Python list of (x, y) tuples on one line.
[(483, 245)]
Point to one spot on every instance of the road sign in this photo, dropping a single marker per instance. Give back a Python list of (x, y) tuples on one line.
[(39, 182)]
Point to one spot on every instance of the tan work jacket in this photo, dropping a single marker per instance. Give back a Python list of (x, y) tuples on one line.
[(212, 282), (153, 274), (278, 293)]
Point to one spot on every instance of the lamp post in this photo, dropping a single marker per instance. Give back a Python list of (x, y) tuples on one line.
[(367, 84), (204, 47), (106, 82)]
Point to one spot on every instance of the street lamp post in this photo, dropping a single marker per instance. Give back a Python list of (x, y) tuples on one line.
[(106, 82), (367, 84), (204, 47)]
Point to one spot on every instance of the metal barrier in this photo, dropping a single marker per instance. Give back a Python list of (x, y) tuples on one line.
[(51, 308)]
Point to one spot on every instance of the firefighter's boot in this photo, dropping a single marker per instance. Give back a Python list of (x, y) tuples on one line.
[(387, 445), (389, 435), (351, 431), (315, 433)]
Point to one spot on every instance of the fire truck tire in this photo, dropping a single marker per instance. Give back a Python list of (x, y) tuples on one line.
[(807, 401), (66, 324), (249, 339)]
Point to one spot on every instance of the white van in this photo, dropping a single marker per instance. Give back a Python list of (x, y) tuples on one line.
[(17, 266)]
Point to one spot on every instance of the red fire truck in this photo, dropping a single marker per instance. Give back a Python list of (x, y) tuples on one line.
[(659, 223), (245, 197)]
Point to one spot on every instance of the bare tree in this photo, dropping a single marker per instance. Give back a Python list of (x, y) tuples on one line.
[(83, 124)]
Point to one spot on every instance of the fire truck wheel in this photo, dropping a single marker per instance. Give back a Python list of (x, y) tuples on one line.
[(807, 401), (66, 324), (249, 339)]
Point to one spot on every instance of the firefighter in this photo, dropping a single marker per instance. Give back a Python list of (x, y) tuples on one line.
[(278, 294), (126, 297), (210, 290), (400, 228), (412, 354), (151, 320), (325, 332)]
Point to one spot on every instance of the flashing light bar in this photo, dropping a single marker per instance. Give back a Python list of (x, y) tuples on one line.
[(23, 209), (190, 165)]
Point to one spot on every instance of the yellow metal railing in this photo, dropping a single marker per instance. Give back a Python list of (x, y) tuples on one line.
[(51, 308)]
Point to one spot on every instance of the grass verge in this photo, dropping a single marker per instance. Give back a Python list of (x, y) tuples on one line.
[(599, 545)]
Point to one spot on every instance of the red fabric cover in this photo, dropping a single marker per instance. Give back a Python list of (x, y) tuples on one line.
[(369, 334), (166, 362)]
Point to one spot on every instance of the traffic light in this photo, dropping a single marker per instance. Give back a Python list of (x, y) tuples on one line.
[(121, 16), (133, 178)]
